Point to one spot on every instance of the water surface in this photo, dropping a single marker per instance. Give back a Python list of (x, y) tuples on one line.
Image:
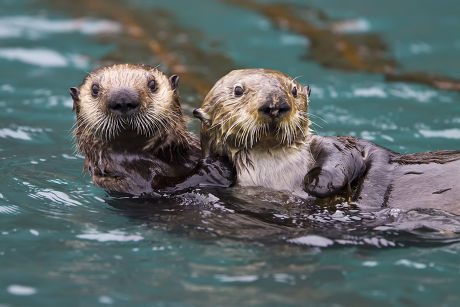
[(65, 241)]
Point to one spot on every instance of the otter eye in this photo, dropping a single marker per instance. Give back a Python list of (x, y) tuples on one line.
[(152, 85), (294, 91), (238, 91), (94, 90)]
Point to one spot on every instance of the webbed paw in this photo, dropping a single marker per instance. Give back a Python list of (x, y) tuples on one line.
[(322, 183)]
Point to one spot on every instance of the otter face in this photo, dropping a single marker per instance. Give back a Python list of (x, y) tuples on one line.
[(252, 107), (122, 98)]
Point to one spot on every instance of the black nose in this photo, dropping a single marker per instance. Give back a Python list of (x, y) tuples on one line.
[(275, 109), (123, 101)]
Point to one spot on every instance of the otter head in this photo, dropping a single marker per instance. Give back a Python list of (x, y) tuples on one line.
[(251, 108), (125, 100)]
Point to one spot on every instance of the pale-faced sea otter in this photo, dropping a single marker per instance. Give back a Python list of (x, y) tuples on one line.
[(258, 119)]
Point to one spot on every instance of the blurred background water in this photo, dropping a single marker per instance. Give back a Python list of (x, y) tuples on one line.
[(65, 241)]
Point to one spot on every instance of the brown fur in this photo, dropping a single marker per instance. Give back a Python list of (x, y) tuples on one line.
[(136, 153), (233, 126), (232, 123), (325, 167)]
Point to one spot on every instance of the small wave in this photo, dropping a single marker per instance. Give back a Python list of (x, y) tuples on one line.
[(18, 134), (293, 40), (243, 278), (411, 264), (453, 133), (105, 299), (369, 92), (57, 196), (419, 48), (114, 235), (9, 209), (7, 88), (37, 56), (36, 27), (312, 240), (408, 92), (21, 290)]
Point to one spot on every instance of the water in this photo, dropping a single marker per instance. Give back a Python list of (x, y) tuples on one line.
[(65, 241)]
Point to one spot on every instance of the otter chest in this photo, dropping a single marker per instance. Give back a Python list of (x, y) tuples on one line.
[(278, 170)]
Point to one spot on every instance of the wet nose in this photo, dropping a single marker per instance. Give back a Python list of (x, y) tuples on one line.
[(275, 109), (123, 101)]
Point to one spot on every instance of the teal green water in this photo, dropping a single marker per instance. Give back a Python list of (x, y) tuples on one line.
[(65, 241)]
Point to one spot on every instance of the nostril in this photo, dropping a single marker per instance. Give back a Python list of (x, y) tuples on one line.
[(275, 111), (284, 109), (123, 102), (265, 110), (132, 105), (115, 106)]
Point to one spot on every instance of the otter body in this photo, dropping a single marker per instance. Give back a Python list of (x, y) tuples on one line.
[(131, 129), (258, 119), (376, 177)]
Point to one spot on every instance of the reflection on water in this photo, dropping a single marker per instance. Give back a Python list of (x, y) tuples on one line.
[(273, 217)]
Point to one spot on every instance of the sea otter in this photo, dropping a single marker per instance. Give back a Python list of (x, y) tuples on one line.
[(132, 132), (258, 119)]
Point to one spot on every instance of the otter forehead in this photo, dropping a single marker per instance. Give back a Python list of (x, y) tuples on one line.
[(256, 78), (123, 75), (253, 88)]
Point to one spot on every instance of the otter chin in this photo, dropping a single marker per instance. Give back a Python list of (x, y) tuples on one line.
[(130, 127), (258, 119)]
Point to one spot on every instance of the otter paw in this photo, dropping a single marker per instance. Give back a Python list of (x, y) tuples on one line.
[(322, 183)]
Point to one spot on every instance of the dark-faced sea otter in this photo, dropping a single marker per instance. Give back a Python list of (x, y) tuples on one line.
[(258, 119), (131, 129)]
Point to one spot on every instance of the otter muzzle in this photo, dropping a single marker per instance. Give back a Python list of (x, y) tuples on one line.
[(124, 101), (275, 109)]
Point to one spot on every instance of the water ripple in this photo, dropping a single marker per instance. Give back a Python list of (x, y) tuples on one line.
[(18, 134), (42, 57), (453, 133), (36, 27), (114, 235), (9, 209), (57, 197)]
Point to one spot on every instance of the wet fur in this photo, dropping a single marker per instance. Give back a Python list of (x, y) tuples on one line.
[(232, 127), (275, 169), (138, 153), (325, 167), (377, 177)]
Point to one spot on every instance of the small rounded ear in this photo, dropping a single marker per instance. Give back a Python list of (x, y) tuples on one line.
[(308, 90), (174, 81), (75, 93), (200, 114)]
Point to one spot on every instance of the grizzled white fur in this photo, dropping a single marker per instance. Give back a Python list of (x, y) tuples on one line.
[(278, 169)]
